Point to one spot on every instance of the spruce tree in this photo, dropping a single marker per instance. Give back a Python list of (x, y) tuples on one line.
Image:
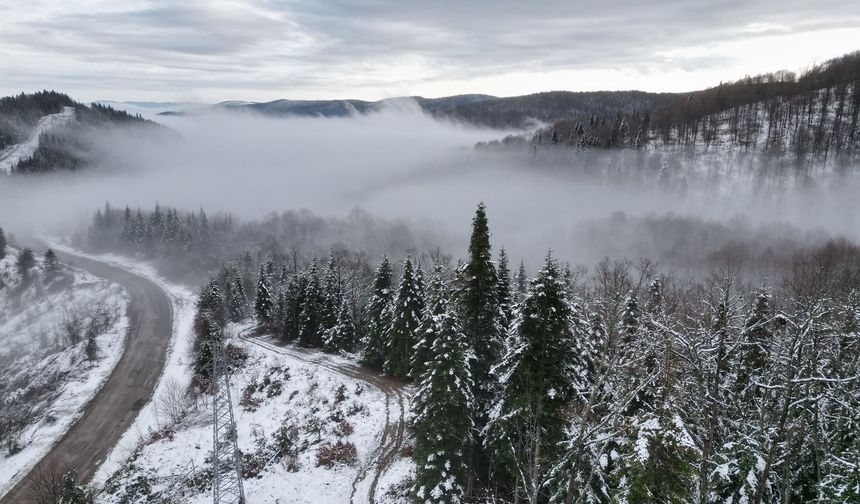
[(341, 337), (438, 290), (24, 262), (406, 318), (504, 288), (443, 411), (522, 284), (542, 372), (237, 302), (332, 292), (295, 295), (264, 302), (480, 314), (2, 244), (378, 316), (311, 318), (755, 341)]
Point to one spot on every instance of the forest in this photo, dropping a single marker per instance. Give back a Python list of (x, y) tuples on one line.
[(620, 382)]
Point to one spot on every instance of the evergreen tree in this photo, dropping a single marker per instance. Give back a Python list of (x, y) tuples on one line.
[(332, 292), (378, 316), (51, 263), (208, 323), (341, 337), (755, 341), (443, 410), (72, 493), (480, 314), (237, 301), (540, 374), (25, 261), (522, 284), (436, 294), (311, 320), (630, 319), (504, 288), (264, 302), (2, 244), (295, 295), (405, 320)]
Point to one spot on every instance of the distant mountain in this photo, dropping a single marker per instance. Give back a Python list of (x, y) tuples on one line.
[(48, 131), (484, 110)]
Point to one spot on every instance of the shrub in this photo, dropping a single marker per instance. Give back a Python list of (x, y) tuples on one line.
[(338, 453)]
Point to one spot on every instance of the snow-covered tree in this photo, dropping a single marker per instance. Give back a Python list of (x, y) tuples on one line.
[(504, 287), (443, 409), (406, 317), (332, 294), (378, 316), (540, 374), (438, 289), (264, 301), (2, 244), (311, 321), (341, 337)]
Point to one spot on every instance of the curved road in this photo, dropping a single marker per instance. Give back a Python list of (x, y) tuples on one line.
[(131, 384), (365, 485)]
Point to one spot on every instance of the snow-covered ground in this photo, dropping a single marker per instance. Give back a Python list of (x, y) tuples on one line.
[(13, 155), (47, 376), (289, 413)]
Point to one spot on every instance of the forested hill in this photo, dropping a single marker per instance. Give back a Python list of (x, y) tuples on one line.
[(48, 131), (814, 114), (479, 109)]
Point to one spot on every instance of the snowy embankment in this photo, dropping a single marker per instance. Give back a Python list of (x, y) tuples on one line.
[(308, 434), (13, 155), (62, 334)]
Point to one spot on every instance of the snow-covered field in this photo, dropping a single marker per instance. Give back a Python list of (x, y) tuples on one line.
[(13, 155), (47, 376)]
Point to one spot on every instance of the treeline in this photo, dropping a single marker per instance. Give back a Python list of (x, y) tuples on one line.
[(20, 113), (190, 245), (618, 385)]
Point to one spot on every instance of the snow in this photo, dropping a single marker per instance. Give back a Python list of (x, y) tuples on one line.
[(306, 399), (29, 322), (13, 155)]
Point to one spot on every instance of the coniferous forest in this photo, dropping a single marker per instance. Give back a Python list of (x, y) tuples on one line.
[(614, 383)]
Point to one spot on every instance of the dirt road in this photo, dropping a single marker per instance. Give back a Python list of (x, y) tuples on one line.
[(364, 486), (130, 386)]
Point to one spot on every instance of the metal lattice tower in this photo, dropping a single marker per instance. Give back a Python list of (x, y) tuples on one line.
[(226, 462)]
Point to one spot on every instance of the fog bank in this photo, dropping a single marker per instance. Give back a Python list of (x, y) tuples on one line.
[(399, 163)]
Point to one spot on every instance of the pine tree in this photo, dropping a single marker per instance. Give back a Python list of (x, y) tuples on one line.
[(406, 318), (2, 244), (504, 288), (755, 341), (341, 337), (630, 319), (443, 411), (71, 493), (311, 319), (540, 374), (264, 302), (378, 316), (208, 324)]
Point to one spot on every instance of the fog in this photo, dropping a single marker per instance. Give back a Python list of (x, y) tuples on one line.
[(402, 164)]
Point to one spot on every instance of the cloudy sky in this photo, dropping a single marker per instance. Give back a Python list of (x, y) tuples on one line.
[(213, 50)]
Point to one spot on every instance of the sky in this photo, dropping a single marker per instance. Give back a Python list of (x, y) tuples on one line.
[(258, 50)]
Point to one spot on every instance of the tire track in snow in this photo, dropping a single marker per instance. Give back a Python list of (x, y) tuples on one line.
[(394, 430)]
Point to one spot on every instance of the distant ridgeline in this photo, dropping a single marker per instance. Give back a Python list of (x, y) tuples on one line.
[(51, 130), (811, 115)]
